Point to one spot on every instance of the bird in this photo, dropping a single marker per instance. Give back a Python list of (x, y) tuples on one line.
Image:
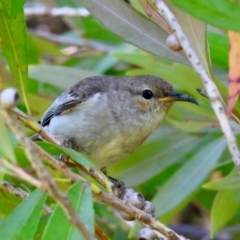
[(107, 118)]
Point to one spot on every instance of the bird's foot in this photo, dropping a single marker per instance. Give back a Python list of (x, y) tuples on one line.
[(68, 144), (130, 197), (118, 187)]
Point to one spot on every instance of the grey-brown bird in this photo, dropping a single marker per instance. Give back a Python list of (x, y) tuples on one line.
[(107, 118)]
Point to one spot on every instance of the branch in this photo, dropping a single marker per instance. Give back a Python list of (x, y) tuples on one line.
[(20, 193), (47, 182), (63, 11), (18, 172), (211, 88), (59, 39)]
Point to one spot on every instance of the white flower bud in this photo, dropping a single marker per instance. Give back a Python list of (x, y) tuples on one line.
[(9, 98), (149, 208), (126, 216), (147, 234), (136, 199), (127, 193), (173, 43)]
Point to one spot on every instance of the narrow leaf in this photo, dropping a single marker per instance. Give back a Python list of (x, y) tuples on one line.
[(229, 182), (81, 199), (78, 157), (133, 27), (14, 44), (221, 13), (59, 76), (23, 221), (188, 178), (226, 204), (16, 7)]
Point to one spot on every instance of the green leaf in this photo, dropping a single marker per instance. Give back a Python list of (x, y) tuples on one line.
[(14, 43), (229, 182), (59, 76), (16, 7), (58, 226), (154, 156), (23, 221), (133, 27), (219, 46), (6, 148), (226, 204), (188, 178), (76, 156), (222, 13), (192, 126)]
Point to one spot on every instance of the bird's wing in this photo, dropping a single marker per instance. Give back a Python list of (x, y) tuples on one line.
[(64, 103), (71, 98)]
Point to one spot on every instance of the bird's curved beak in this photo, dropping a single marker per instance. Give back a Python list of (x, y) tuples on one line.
[(174, 96)]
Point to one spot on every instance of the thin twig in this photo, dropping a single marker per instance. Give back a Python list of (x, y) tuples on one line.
[(63, 11), (70, 41), (18, 172), (14, 190), (47, 182), (211, 88), (20, 193), (139, 215)]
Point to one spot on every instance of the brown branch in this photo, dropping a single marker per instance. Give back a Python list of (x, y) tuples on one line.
[(20, 193), (47, 182)]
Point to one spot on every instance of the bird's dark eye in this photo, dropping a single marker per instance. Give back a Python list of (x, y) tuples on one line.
[(147, 94)]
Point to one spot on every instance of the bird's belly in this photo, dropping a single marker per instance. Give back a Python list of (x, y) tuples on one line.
[(114, 150)]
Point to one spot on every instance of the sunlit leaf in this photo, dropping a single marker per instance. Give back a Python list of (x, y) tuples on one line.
[(222, 13), (14, 43), (16, 7)]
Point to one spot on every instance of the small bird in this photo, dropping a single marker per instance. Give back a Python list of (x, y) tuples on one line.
[(109, 117)]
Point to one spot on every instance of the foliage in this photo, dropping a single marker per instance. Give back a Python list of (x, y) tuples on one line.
[(175, 167)]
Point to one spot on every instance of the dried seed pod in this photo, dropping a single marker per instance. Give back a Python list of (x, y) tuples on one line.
[(149, 208), (127, 193), (126, 216), (147, 234), (118, 188), (136, 199), (173, 43), (9, 98)]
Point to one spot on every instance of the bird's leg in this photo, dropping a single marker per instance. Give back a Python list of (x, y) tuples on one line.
[(118, 187), (68, 144), (130, 197)]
